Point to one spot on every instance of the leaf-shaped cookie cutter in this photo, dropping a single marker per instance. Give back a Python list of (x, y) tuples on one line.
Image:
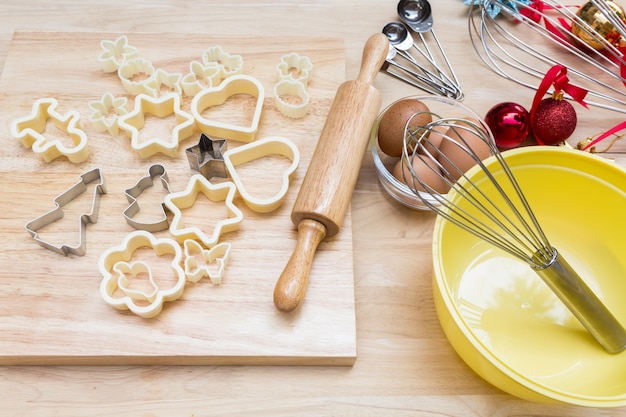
[(156, 170), (273, 145), (195, 270), (57, 213), (124, 253)]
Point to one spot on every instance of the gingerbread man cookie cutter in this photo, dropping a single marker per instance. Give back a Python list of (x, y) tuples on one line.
[(115, 264), (30, 131), (156, 170), (93, 176)]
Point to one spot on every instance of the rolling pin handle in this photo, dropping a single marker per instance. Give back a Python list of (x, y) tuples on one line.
[(292, 284), (374, 55)]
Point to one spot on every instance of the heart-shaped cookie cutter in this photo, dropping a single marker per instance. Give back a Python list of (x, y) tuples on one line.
[(196, 269), (162, 106), (124, 253), (156, 170), (215, 96), (176, 202), (273, 145), (30, 131)]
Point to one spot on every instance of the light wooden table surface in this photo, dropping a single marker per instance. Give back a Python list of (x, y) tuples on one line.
[(405, 366)]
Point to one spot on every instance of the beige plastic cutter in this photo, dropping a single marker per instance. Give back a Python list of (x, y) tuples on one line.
[(200, 77), (199, 261), (115, 265), (175, 202), (116, 52), (106, 111), (229, 64), (162, 82), (295, 67), (273, 145), (30, 131), (215, 96), (286, 89), (137, 67), (162, 106)]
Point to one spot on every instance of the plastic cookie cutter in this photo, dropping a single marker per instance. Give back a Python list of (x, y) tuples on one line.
[(207, 157), (93, 176), (136, 75), (199, 261), (116, 267), (115, 53), (30, 131), (162, 106), (176, 202), (229, 64), (215, 96), (132, 193), (266, 147), (286, 89), (106, 111), (200, 77), (294, 67), (163, 82)]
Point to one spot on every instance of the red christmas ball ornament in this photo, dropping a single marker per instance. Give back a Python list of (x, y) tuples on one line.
[(510, 124), (554, 120)]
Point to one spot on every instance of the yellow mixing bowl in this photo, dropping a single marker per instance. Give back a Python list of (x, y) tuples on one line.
[(503, 320)]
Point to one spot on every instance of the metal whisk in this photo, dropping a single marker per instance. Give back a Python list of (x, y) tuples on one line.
[(491, 205)]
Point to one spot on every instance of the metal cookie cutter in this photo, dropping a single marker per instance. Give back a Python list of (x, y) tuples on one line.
[(57, 213), (198, 261), (132, 68), (285, 89), (214, 96), (115, 265), (115, 53), (106, 111), (30, 131), (229, 64), (135, 191), (207, 157), (175, 202), (273, 145), (162, 106)]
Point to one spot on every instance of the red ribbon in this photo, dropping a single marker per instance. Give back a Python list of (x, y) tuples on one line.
[(535, 12), (605, 135)]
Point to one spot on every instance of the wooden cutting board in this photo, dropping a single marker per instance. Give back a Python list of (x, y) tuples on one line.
[(51, 311)]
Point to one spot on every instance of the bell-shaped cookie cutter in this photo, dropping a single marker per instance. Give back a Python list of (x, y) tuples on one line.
[(215, 96), (106, 111), (162, 106), (207, 157), (295, 67), (175, 202), (156, 170), (287, 88), (115, 53), (30, 131), (57, 213), (198, 261), (112, 261), (273, 145)]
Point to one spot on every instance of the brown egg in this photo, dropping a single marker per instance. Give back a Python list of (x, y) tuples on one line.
[(460, 161), (426, 170), (433, 142), (393, 122)]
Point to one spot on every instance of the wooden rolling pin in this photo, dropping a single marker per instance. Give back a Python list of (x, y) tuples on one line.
[(326, 192)]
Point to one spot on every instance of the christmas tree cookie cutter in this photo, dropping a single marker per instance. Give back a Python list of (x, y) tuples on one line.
[(273, 145), (162, 106), (30, 131), (93, 176), (215, 96), (198, 261), (156, 170), (116, 265), (207, 157), (176, 202)]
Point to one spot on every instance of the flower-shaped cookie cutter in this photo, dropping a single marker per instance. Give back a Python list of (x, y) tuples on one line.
[(266, 147), (106, 111), (207, 157), (136, 75), (229, 64), (115, 53), (215, 96), (200, 77), (294, 67), (156, 170), (176, 202), (93, 176), (285, 89), (198, 261), (30, 131), (162, 106), (116, 262)]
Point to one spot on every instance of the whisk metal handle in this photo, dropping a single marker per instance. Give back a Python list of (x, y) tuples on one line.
[(583, 303)]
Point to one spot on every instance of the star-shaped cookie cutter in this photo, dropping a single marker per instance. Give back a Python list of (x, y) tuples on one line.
[(198, 261), (118, 259), (162, 106), (115, 53), (30, 131), (156, 170), (207, 157), (106, 111), (57, 213), (175, 202)]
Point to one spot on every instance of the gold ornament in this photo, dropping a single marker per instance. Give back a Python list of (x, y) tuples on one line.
[(596, 30)]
